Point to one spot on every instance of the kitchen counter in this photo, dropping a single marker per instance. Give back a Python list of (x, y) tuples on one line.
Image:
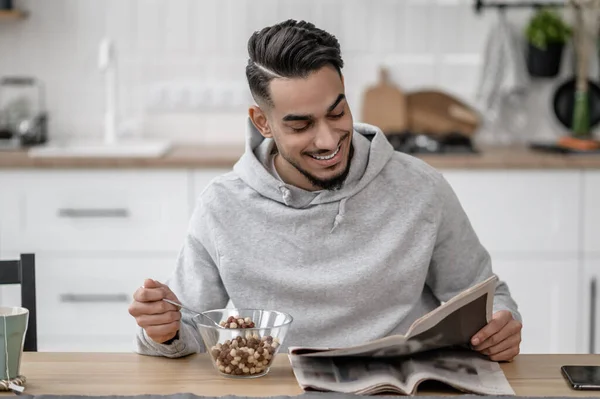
[(180, 156), (198, 156)]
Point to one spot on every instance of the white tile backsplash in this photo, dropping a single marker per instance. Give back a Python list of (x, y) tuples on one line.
[(356, 26), (151, 28), (234, 26), (384, 27), (207, 20), (424, 43), (294, 9), (417, 19), (90, 26), (178, 24), (268, 13), (327, 16), (121, 22), (448, 28)]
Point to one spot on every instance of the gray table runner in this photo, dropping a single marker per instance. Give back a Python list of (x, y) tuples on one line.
[(311, 395)]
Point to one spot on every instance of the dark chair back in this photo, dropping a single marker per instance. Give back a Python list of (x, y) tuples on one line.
[(22, 272)]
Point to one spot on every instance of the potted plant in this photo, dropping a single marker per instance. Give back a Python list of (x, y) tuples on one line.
[(546, 34)]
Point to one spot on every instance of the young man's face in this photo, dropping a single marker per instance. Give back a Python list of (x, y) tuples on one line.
[(312, 126)]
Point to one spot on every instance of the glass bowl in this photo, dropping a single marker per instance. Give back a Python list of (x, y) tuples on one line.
[(247, 350)]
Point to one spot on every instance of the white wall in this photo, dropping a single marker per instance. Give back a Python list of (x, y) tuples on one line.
[(425, 43)]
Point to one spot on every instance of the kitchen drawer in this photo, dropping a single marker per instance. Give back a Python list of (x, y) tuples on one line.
[(591, 217), (515, 211), (91, 210), (84, 298)]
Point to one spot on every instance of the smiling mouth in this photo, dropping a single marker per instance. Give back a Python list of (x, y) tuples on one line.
[(328, 157)]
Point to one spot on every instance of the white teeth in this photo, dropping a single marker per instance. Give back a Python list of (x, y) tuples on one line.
[(327, 157)]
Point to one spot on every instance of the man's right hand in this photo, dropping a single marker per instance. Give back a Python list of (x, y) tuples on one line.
[(159, 319)]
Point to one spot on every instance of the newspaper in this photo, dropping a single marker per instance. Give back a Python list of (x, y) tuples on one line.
[(435, 347)]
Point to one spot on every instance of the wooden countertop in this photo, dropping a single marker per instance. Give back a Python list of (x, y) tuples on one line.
[(132, 374), (197, 156), (179, 157)]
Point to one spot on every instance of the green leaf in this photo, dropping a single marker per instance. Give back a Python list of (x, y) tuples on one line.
[(545, 27)]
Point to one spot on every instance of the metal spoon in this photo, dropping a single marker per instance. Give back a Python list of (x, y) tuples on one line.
[(206, 318)]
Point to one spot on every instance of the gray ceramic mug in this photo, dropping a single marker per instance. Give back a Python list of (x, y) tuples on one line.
[(13, 326)]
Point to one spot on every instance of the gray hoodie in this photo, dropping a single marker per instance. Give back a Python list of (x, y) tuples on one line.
[(350, 266)]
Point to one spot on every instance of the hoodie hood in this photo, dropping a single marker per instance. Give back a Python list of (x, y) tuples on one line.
[(372, 151)]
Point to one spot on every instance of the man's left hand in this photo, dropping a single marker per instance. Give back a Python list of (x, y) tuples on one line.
[(500, 338)]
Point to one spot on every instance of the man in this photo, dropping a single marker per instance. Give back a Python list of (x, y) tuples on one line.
[(322, 219)]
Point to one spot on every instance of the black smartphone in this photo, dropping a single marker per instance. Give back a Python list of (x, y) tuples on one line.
[(582, 377)]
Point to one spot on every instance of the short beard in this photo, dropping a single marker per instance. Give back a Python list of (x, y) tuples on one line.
[(331, 184)]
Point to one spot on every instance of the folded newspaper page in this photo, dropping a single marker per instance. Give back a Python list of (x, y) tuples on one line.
[(435, 347), (464, 370)]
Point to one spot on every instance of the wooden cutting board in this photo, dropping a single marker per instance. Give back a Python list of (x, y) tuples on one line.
[(438, 113), (384, 106)]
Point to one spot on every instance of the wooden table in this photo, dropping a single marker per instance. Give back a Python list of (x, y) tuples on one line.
[(132, 374)]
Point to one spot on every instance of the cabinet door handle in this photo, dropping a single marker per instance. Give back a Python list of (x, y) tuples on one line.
[(593, 294), (93, 298), (93, 213)]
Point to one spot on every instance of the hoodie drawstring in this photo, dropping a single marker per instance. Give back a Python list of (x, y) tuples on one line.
[(340, 216), (287, 196)]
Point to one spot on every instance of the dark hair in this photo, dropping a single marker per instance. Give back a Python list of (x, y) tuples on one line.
[(289, 49)]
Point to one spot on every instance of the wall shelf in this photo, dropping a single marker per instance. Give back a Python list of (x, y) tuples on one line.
[(501, 5), (12, 15)]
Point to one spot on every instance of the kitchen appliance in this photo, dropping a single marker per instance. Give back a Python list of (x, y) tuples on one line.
[(420, 143), (23, 117)]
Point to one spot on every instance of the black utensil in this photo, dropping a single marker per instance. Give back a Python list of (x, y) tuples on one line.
[(564, 100)]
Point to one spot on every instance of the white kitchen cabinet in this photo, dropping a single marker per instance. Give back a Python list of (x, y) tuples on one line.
[(83, 300), (10, 295), (530, 221), (127, 210), (547, 293), (518, 211), (591, 221), (590, 306), (9, 204), (96, 235), (590, 298)]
